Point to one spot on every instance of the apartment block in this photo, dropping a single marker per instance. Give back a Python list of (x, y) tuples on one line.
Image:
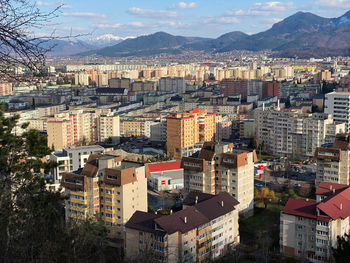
[(309, 229), (293, 134), (199, 233), (333, 162), (75, 127), (337, 104), (187, 129), (222, 168), (109, 186), (5, 89), (174, 85), (72, 159), (81, 79)]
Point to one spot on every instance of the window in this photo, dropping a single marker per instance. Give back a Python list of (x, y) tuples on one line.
[(185, 243), (300, 218), (300, 235)]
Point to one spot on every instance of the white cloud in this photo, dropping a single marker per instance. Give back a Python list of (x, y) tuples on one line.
[(264, 9), (336, 4), (222, 20), (148, 13), (106, 26), (84, 15), (42, 3), (183, 5)]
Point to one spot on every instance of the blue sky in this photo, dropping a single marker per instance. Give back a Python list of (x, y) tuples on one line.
[(124, 18)]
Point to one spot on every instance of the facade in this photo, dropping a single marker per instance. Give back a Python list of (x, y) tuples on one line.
[(165, 176), (72, 159), (82, 126), (81, 79), (309, 229), (336, 103), (5, 89), (106, 185), (173, 85), (333, 163), (293, 134), (187, 129), (221, 168), (195, 234)]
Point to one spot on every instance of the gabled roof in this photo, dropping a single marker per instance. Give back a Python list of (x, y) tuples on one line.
[(193, 195), (337, 206), (302, 208), (327, 188), (217, 206), (182, 221), (164, 166), (144, 221)]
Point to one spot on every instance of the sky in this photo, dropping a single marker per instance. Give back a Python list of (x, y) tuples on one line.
[(98, 19)]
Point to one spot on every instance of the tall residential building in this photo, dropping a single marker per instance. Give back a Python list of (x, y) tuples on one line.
[(81, 79), (194, 234), (270, 89), (106, 185), (5, 89), (175, 85), (82, 126), (333, 162), (337, 104), (222, 168), (289, 133), (72, 159), (309, 229), (186, 129), (101, 80)]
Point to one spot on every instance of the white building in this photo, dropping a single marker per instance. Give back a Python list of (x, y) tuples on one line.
[(289, 133), (165, 176), (337, 104), (175, 85), (72, 159)]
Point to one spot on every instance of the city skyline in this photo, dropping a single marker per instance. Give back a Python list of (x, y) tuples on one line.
[(123, 19)]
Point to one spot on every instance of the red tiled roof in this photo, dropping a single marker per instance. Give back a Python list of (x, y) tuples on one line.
[(326, 188), (165, 166), (303, 208), (337, 206)]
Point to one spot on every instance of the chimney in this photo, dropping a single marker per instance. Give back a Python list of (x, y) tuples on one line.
[(333, 191), (263, 106), (171, 211), (341, 206), (330, 187), (222, 203), (196, 202), (185, 219)]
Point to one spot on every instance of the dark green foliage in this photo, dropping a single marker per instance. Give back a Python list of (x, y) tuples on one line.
[(32, 221), (341, 253)]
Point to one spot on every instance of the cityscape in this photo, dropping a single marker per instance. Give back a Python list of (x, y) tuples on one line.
[(175, 131)]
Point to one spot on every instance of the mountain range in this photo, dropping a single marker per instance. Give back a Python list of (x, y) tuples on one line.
[(303, 34)]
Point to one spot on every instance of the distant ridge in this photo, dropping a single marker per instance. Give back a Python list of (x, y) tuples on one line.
[(303, 34)]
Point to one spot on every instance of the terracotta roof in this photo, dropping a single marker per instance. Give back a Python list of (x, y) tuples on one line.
[(303, 208), (193, 195), (165, 166), (144, 221), (182, 221), (337, 206), (326, 188)]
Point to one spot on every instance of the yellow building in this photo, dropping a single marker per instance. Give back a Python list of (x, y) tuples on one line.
[(110, 186), (186, 129)]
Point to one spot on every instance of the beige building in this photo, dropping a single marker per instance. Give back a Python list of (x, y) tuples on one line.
[(186, 129), (110, 186), (82, 127), (222, 168), (333, 162), (5, 89), (293, 134), (81, 79), (194, 234), (309, 229)]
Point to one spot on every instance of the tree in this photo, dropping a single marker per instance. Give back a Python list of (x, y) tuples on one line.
[(19, 47), (341, 251), (265, 195), (32, 223)]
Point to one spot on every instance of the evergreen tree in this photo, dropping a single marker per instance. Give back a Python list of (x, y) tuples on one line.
[(32, 222)]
